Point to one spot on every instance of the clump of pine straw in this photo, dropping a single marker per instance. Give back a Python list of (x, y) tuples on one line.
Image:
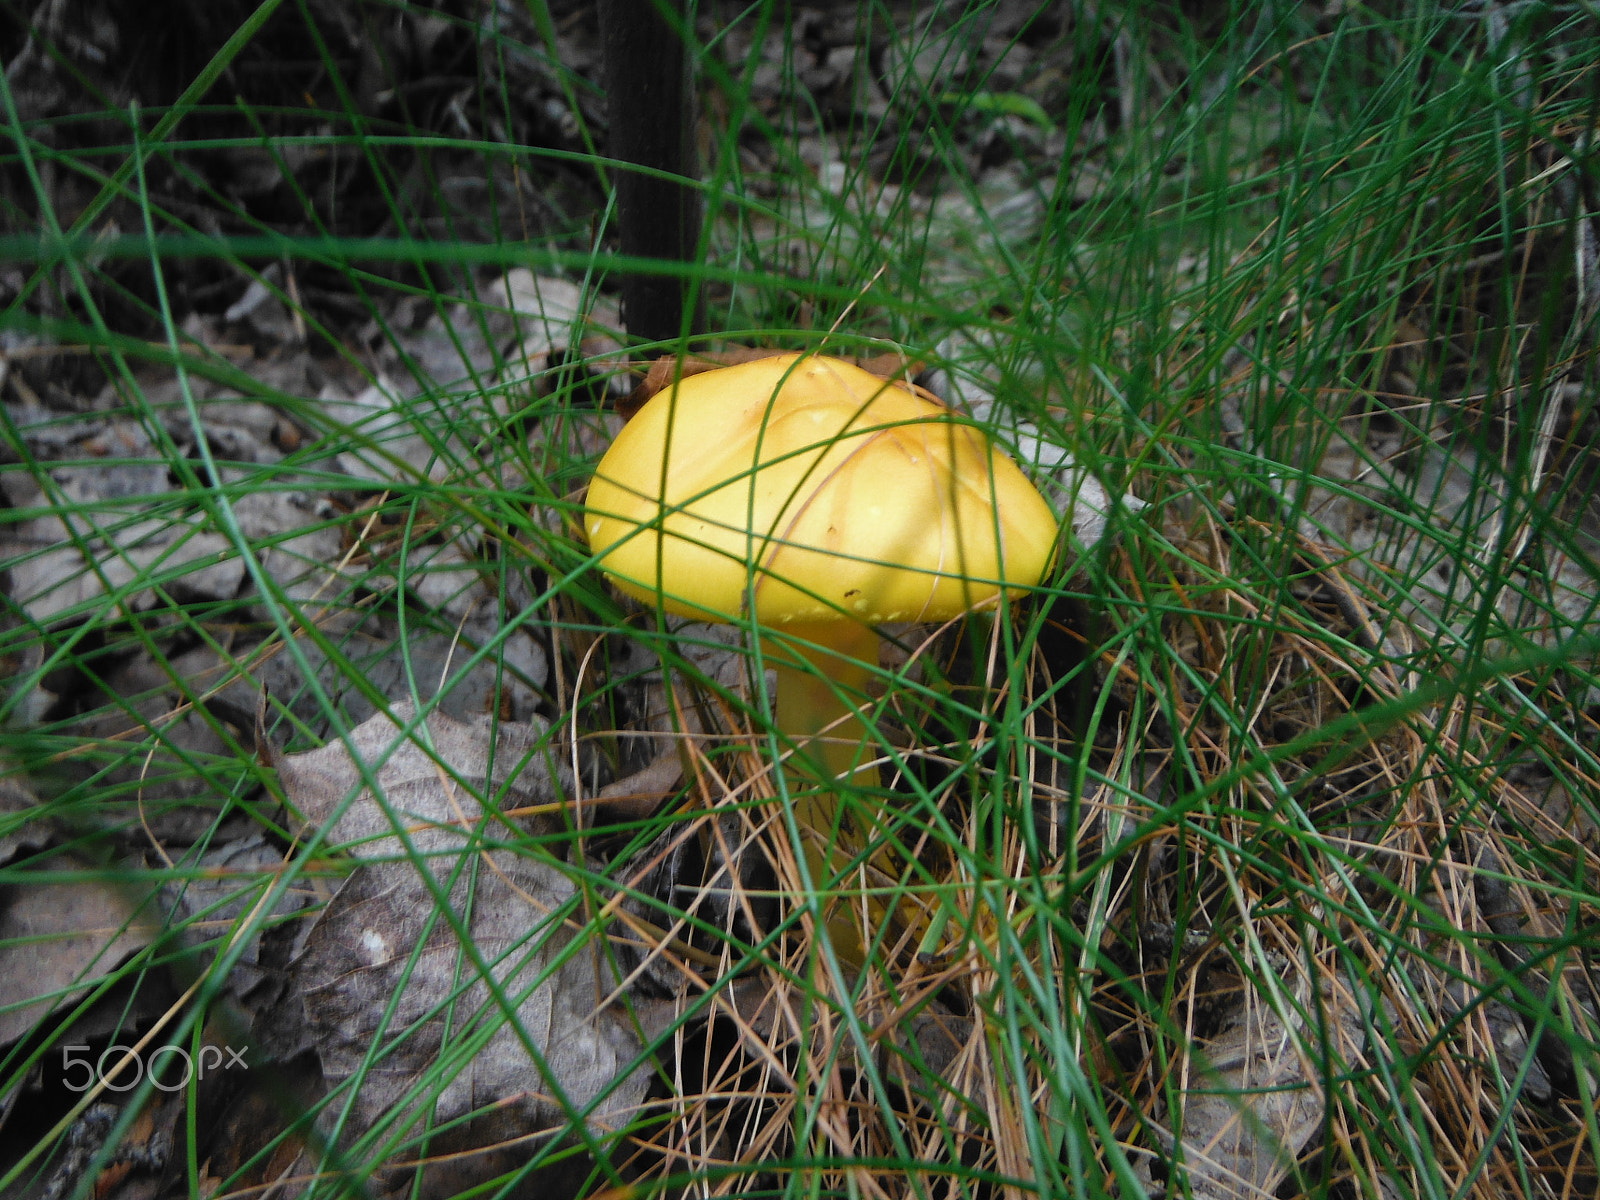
[(1275, 824)]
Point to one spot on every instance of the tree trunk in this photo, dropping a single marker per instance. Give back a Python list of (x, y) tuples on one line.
[(650, 94)]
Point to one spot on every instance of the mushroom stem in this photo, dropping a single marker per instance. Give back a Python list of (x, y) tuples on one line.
[(818, 708), (819, 692)]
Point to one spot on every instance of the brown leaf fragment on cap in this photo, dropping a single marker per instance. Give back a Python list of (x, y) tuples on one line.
[(669, 367), (891, 365)]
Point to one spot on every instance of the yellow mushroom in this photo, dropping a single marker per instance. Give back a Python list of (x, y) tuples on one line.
[(823, 501)]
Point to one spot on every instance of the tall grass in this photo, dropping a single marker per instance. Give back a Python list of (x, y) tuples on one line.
[(1306, 736)]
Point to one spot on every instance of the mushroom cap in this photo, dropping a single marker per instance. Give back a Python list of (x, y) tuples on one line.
[(818, 489)]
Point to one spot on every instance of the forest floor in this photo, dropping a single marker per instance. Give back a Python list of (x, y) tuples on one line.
[(1266, 830)]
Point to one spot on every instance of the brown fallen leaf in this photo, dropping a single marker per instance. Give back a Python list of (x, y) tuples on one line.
[(226, 885), (26, 825), (420, 788), (1251, 1103), (58, 939), (639, 794), (499, 1034)]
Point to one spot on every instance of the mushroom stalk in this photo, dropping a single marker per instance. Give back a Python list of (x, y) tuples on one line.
[(818, 709), (818, 694)]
